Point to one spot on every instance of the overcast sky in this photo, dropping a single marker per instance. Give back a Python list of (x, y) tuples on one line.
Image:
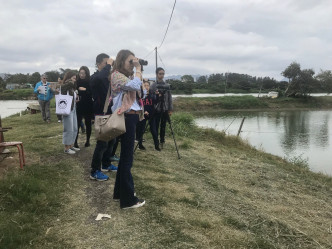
[(255, 37)]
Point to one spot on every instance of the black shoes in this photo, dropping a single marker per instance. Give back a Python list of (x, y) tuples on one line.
[(157, 148), (141, 147), (87, 144)]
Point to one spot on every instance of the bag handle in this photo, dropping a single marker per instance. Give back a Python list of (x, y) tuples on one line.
[(107, 102)]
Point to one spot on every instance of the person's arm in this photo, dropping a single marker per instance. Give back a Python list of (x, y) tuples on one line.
[(36, 90), (132, 85)]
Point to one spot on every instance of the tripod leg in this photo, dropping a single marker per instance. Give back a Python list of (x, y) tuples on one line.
[(147, 123), (170, 125)]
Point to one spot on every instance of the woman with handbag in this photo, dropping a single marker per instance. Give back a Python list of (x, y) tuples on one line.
[(69, 121), (126, 85)]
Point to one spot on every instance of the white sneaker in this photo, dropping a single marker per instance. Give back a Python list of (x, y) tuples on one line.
[(140, 203), (75, 149), (70, 152)]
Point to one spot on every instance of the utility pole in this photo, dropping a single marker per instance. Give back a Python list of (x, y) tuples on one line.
[(226, 81), (156, 62)]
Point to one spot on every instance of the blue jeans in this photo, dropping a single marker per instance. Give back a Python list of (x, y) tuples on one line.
[(124, 184), (101, 155)]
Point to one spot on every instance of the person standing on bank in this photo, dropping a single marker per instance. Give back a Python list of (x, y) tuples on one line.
[(44, 94), (164, 106), (99, 85), (84, 107), (70, 121), (126, 91)]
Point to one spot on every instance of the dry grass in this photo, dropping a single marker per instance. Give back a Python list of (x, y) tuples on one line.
[(220, 194)]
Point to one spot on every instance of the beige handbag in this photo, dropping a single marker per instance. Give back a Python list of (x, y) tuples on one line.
[(108, 127)]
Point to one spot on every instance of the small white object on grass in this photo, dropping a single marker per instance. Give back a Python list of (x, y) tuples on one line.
[(100, 216)]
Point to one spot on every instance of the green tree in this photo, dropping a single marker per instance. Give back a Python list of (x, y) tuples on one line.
[(34, 78), (325, 80), (187, 78), (18, 78), (202, 80), (52, 76), (2, 84)]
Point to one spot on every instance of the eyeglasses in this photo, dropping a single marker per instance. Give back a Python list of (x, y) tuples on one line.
[(44, 78), (161, 73)]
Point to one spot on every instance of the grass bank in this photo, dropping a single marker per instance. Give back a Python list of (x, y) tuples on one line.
[(221, 194), (191, 104), (17, 94)]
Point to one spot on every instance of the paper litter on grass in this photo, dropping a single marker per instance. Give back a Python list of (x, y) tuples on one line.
[(100, 216)]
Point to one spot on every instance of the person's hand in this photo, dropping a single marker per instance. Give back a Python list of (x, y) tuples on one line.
[(146, 113), (81, 88), (110, 61), (136, 64)]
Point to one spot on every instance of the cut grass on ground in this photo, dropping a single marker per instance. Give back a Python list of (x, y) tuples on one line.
[(221, 194)]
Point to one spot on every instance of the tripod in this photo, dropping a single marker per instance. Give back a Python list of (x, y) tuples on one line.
[(168, 119)]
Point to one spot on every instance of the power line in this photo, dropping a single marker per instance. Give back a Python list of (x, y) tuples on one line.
[(145, 57), (161, 60), (168, 24)]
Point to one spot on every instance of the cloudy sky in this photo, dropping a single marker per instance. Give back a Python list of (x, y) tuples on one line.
[(255, 37)]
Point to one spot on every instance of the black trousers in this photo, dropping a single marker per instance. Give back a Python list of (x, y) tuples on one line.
[(161, 119), (124, 184), (101, 155), (88, 122)]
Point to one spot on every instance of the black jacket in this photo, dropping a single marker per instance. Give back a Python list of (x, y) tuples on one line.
[(99, 85)]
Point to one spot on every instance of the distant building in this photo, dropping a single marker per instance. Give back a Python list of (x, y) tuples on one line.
[(11, 86)]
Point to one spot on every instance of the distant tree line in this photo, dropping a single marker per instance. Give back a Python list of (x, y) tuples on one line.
[(301, 82), (24, 79)]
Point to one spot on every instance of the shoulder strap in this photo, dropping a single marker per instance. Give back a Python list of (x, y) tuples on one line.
[(107, 102)]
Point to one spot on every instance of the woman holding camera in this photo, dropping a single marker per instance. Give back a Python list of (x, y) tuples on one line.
[(126, 93)]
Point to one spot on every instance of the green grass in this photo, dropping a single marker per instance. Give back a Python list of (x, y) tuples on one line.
[(222, 193), (17, 94), (191, 104)]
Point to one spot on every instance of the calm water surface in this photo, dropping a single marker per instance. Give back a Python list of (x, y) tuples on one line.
[(10, 107), (288, 134)]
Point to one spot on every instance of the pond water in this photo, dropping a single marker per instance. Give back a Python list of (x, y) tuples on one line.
[(290, 134), (10, 107), (202, 95)]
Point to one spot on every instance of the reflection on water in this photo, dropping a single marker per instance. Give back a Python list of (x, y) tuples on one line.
[(287, 134)]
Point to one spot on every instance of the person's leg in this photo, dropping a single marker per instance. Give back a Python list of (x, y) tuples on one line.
[(163, 120), (154, 133), (88, 120), (79, 120), (47, 110), (157, 117), (69, 129), (42, 108), (140, 128), (106, 159), (124, 184), (101, 146), (115, 146)]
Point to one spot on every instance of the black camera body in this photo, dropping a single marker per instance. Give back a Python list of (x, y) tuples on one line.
[(163, 88), (143, 62)]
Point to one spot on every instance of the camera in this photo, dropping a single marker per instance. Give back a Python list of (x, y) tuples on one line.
[(143, 62), (165, 87)]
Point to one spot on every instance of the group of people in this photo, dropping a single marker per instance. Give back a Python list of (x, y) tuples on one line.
[(131, 95)]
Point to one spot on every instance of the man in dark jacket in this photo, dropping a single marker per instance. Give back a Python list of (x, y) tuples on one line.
[(164, 106), (99, 84)]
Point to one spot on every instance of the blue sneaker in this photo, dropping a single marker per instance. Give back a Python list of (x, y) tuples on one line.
[(115, 158), (109, 168), (99, 176)]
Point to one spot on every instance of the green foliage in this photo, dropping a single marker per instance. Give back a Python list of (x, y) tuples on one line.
[(17, 94), (325, 80), (187, 78), (34, 78)]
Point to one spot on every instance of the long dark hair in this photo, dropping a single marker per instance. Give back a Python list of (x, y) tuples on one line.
[(68, 75), (120, 61), (87, 73)]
